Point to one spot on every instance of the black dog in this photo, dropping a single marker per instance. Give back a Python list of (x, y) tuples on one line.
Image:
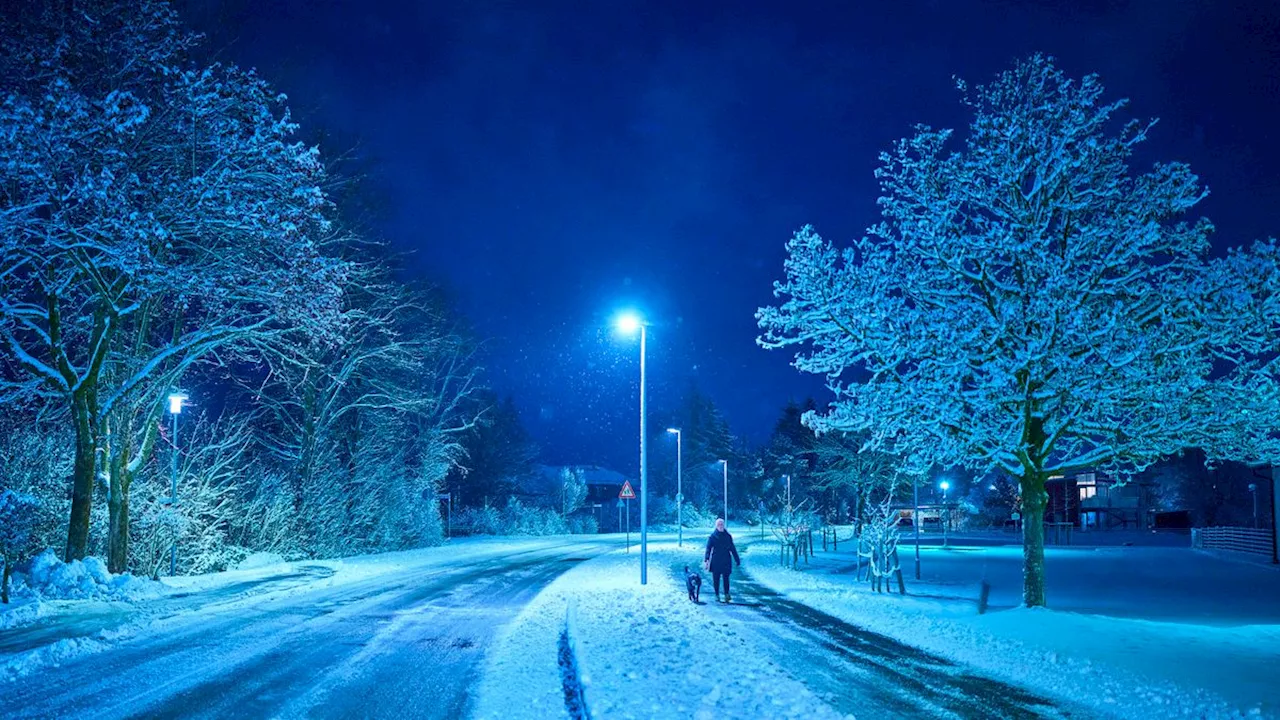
[(692, 583)]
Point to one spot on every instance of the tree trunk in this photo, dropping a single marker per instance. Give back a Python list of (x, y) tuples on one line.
[(118, 519), (4, 581), (82, 478), (1034, 499)]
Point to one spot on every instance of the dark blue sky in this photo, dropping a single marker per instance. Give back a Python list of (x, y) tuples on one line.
[(552, 162)]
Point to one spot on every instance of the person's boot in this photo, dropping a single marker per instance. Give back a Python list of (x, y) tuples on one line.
[(717, 596), (727, 599)]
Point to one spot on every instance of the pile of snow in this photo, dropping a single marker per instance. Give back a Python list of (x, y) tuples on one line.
[(86, 579), (260, 560), (642, 652), (18, 613), (1121, 666)]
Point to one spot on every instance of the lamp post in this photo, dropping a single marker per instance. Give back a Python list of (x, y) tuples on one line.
[(945, 487), (629, 323), (679, 489), (788, 477), (1253, 490), (725, 463), (915, 517), (175, 409)]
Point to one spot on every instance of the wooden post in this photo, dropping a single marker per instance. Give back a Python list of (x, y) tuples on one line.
[(902, 585)]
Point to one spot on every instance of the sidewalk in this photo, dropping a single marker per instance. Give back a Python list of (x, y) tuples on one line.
[(641, 651)]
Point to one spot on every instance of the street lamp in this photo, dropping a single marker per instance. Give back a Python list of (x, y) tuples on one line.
[(629, 323), (788, 477), (945, 526), (725, 463), (915, 516), (175, 409), (679, 489), (1253, 489)]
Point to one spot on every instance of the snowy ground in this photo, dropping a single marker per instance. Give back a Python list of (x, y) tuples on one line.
[(647, 652), (51, 639), (479, 628), (643, 652), (1135, 632)]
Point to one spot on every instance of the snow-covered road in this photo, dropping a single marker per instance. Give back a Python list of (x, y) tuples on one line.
[(401, 641), (474, 629)]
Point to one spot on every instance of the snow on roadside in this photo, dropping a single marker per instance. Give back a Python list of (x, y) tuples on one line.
[(60, 626), (643, 651), (86, 579), (21, 611), (1121, 667)]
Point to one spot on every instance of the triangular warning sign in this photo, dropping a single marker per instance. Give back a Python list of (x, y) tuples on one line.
[(627, 493)]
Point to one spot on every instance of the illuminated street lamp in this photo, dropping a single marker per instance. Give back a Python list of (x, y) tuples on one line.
[(629, 323), (176, 401), (679, 489), (725, 463), (1253, 489), (945, 487)]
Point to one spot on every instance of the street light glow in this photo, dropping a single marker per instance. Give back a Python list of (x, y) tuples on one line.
[(944, 485), (175, 402), (673, 431), (628, 323)]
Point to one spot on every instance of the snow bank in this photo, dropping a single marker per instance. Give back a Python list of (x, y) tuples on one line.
[(643, 651), (21, 611), (86, 579), (51, 655), (1121, 667), (260, 560)]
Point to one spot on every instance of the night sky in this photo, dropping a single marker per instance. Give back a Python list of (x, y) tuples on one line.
[(550, 163)]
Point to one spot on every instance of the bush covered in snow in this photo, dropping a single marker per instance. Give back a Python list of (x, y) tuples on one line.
[(520, 519), (52, 579)]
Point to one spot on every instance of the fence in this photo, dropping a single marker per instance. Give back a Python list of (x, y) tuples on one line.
[(1235, 539)]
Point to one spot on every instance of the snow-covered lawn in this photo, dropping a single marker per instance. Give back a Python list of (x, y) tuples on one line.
[(643, 652), (1135, 632)]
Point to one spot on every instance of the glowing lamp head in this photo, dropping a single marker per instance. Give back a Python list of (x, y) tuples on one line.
[(175, 402), (629, 323), (674, 431), (944, 485)]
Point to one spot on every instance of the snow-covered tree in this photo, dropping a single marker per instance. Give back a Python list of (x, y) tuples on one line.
[(866, 477), (148, 201), (17, 522), (365, 428), (1031, 305), (35, 459), (573, 491)]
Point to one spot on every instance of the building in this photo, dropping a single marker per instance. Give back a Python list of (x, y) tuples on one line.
[(1092, 501)]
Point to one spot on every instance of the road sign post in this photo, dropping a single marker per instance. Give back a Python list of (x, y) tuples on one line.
[(627, 494)]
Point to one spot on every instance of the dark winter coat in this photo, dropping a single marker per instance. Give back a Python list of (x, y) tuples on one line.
[(720, 549)]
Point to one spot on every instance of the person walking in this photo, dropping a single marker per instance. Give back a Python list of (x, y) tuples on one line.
[(719, 558)]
